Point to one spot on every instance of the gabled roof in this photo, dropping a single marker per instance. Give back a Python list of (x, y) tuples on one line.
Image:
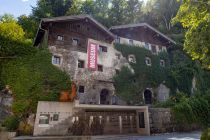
[(142, 25), (73, 18)]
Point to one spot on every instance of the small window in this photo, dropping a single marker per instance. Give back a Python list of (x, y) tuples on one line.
[(55, 117), (141, 120), (162, 63), (117, 71), (60, 38), (75, 41), (81, 64), (154, 49), (102, 48), (130, 41), (100, 68), (160, 48), (56, 60), (146, 46), (117, 40), (81, 89), (148, 61), (117, 55), (132, 59), (44, 118)]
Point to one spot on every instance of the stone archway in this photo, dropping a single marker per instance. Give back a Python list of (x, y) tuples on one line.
[(148, 96), (104, 96)]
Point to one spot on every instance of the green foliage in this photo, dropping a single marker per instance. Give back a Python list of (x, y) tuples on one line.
[(33, 78), (196, 17), (144, 76), (11, 123), (206, 134)]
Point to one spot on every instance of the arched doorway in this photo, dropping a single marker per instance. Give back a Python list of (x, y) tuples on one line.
[(104, 96), (148, 96)]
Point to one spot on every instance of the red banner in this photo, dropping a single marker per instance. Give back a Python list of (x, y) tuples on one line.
[(92, 55)]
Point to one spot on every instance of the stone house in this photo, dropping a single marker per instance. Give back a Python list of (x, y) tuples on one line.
[(144, 35), (84, 49)]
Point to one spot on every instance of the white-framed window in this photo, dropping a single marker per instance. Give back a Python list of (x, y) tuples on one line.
[(102, 48), (132, 58), (81, 64), (75, 41), (44, 118), (60, 37), (117, 40), (56, 60), (148, 61), (130, 41), (154, 51), (146, 46), (162, 63), (81, 89)]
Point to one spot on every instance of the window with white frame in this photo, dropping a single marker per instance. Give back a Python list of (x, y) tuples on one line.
[(60, 37), (162, 63), (148, 61), (44, 118), (132, 58), (81, 64), (56, 60), (146, 46), (75, 41), (117, 40), (102, 48), (130, 42)]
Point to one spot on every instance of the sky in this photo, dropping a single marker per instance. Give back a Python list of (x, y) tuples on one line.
[(16, 7)]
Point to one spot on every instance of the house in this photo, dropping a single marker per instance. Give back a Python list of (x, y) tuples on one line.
[(145, 36), (84, 49)]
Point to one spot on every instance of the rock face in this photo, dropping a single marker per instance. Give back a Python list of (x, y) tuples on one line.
[(6, 100)]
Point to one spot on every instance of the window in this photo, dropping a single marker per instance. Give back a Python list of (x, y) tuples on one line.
[(162, 63), (132, 59), (100, 68), (55, 117), (117, 71), (81, 64), (154, 49), (148, 61), (81, 89), (141, 120), (60, 38), (56, 60), (44, 118), (102, 48), (117, 55), (75, 41), (130, 41), (117, 40), (146, 46), (160, 48)]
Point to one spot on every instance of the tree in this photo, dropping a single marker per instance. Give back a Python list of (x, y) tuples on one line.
[(195, 16), (29, 25)]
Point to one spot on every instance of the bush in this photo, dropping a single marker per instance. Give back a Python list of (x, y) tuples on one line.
[(11, 123), (206, 135), (25, 129)]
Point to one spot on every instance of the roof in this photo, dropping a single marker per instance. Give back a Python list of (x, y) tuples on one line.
[(142, 25), (72, 18)]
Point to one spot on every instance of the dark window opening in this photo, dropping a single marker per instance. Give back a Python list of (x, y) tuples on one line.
[(81, 64), (117, 71), (81, 89), (100, 68), (104, 96), (102, 48), (148, 97), (55, 117), (141, 120), (154, 49)]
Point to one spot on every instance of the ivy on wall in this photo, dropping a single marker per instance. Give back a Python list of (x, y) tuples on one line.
[(177, 74), (127, 83)]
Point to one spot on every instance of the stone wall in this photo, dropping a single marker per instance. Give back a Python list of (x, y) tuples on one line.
[(160, 120)]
